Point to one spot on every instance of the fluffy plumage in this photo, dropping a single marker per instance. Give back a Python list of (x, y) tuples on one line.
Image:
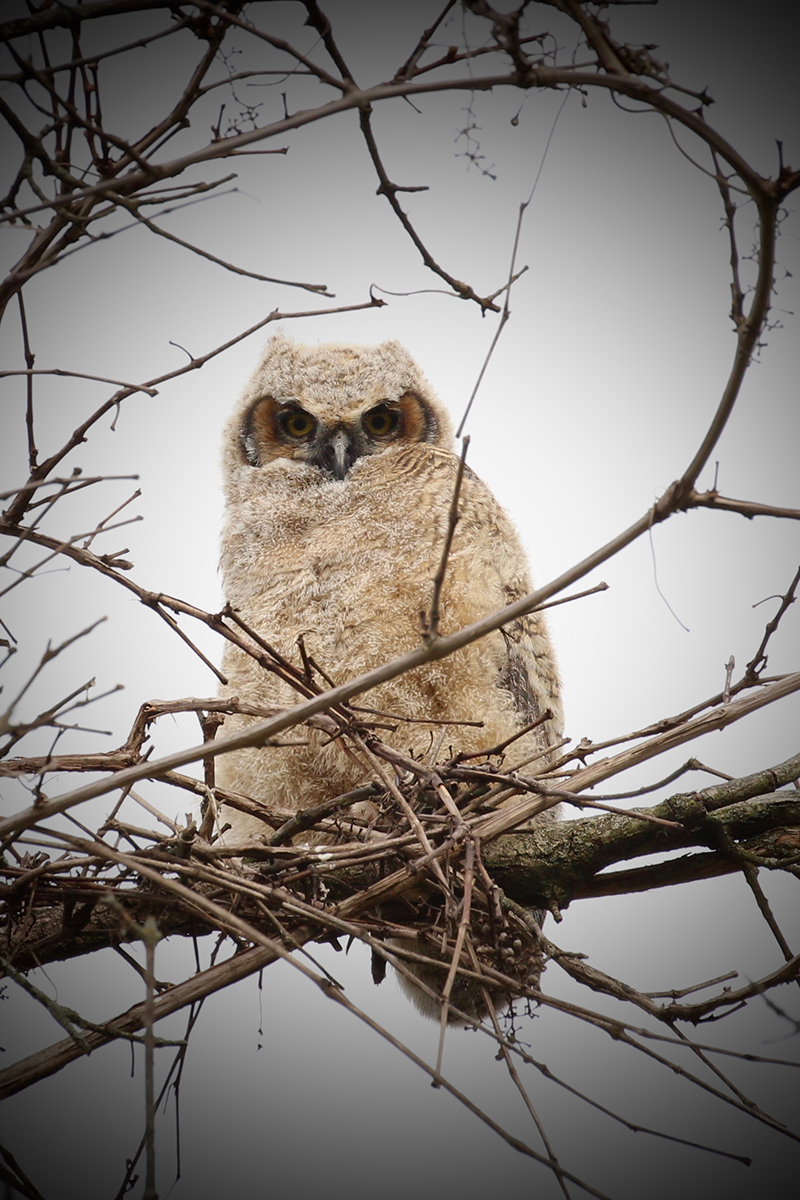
[(339, 473)]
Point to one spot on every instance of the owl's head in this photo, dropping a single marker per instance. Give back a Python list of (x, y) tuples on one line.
[(328, 406)]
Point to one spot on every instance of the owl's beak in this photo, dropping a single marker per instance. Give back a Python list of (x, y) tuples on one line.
[(336, 453)]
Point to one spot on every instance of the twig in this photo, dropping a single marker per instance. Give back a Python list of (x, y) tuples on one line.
[(747, 508), (463, 928), (430, 623)]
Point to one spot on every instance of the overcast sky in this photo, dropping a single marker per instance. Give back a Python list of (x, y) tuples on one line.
[(601, 388)]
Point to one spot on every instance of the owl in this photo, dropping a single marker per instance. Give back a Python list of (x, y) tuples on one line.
[(339, 470)]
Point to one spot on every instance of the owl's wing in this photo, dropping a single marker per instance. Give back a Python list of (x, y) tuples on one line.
[(515, 679), (526, 666), (528, 673)]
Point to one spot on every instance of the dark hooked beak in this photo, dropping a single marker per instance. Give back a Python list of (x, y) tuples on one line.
[(335, 453)]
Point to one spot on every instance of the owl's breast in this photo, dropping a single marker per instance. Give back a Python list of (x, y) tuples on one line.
[(347, 563)]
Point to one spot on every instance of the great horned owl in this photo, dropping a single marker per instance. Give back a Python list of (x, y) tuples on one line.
[(339, 475)]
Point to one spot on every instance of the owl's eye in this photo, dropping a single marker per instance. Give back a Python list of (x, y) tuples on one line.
[(297, 424), (381, 421)]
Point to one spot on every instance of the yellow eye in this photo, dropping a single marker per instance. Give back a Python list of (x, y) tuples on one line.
[(381, 421), (297, 424)]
